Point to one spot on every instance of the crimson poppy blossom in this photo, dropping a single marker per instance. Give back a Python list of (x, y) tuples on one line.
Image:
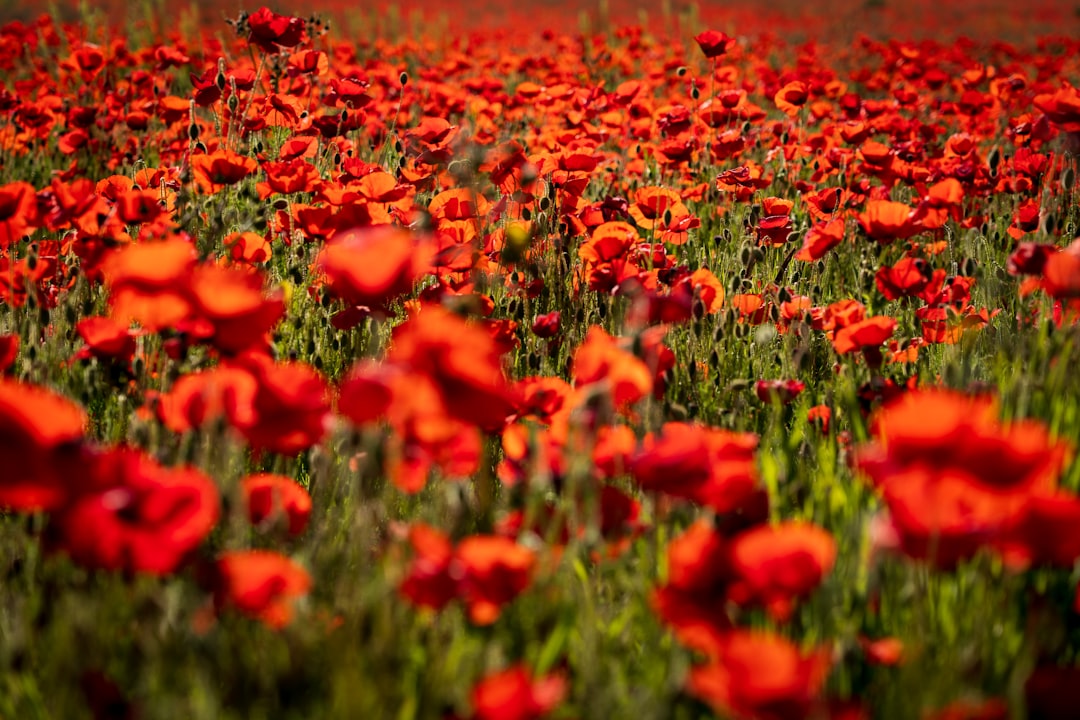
[(271, 32), (370, 267), (215, 171), (39, 435), (714, 43), (279, 407), (131, 514), (513, 694), (774, 565), (754, 674), (106, 339), (491, 571), (269, 496), (462, 362), (261, 584), (9, 350), (954, 478), (599, 361), (713, 467)]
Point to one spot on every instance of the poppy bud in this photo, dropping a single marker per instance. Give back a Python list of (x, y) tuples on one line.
[(403, 78)]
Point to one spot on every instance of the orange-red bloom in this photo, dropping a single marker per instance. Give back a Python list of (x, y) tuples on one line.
[(599, 361), (215, 171), (260, 584), (269, 496), (514, 695), (776, 564), (39, 430), (714, 43), (953, 477), (131, 514), (271, 32), (484, 571), (371, 267), (885, 221), (757, 675), (715, 468)]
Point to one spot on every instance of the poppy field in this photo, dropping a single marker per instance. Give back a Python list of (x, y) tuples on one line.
[(540, 363)]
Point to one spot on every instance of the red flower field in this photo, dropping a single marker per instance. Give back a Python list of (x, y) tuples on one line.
[(514, 361)]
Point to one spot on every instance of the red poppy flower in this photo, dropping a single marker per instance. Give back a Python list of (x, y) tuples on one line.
[(484, 571), (491, 571), (908, 277), (885, 221), (1062, 108), (600, 361), (761, 675), (133, 515), (1048, 534), (286, 177), (105, 338), (198, 398), (652, 203), (367, 391), (715, 468), (953, 477), (1029, 258), (148, 283), (269, 496), (271, 32), (9, 350), (888, 651), (868, 333), (791, 97), (230, 310), (820, 415), (1061, 272), (371, 267), (38, 428), (248, 247), (774, 565), (18, 212), (820, 239), (139, 206), (783, 391), (1026, 219), (461, 360), (699, 571), (284, 408), (714, 43), (546, 326), (260, 584), (514, 695), (215, 171)]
